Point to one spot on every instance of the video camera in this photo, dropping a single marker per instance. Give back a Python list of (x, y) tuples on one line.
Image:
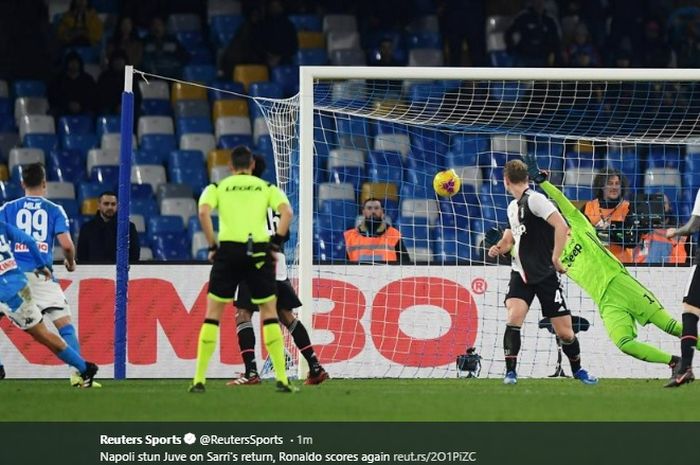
[(646, 212), (469, 362)]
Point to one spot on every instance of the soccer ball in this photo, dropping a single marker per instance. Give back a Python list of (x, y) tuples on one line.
[(446, 183)]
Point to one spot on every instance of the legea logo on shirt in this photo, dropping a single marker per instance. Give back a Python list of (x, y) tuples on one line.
[(243, 188)]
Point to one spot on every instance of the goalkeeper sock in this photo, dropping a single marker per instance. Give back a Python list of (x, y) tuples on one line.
[(272, 333), (68, 334), (246, 342), (208, 336), (572, 349), (303, 342), (689, 339), (511, 346)]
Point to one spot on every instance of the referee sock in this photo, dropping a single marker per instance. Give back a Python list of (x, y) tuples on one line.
[(246, 342), (303, 342), (511, 346), (208, 336), (272, 333), (688, 340), (69, 335), (572, 349)]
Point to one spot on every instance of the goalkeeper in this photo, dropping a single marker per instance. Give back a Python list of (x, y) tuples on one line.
[(621, 299)]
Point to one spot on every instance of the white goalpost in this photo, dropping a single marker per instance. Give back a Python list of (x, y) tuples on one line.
[(362, 129)]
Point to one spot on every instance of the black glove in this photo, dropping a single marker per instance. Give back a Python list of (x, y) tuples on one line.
[(492, 236), (276, 242), (533, 170)]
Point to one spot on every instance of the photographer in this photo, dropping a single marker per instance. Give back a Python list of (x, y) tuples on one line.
[(607, 213), (655, 247)]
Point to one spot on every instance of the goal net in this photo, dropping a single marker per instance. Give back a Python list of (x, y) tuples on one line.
[(359, 133)]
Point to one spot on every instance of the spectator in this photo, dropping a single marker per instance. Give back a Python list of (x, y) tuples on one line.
[(143, 12), (279, 35), (655, 247), (246, 47), (73, 91), (162, 54), (607, 212), (655, 52), (581, 53), (80, 25), (374, 240), (126, 39), (111, 84), (384, 54), (97, 242), (533, 38)]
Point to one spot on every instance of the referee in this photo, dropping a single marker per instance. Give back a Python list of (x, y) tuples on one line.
[(243, 253)]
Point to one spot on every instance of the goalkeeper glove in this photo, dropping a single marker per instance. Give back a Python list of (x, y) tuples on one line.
[(533, 170)]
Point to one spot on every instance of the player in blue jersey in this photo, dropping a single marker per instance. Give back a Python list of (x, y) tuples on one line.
[(17, 303), (45, 222)]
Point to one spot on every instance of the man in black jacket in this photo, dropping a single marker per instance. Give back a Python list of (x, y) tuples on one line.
[(97, 242)]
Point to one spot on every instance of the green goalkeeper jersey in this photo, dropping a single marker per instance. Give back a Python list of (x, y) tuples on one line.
[(590, 264)]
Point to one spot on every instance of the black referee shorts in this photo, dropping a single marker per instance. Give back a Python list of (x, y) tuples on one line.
[(287, 298), (232, 265), (692, 290), (548, 292)]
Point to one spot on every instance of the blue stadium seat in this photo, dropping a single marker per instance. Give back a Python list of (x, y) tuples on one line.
[(415, 233), (265, 89), (462, 159), (194, 226), (223, 28), (460, 209), (28, 88), (65, 165), (385, 167), (155, 107), (230, 141), (344, 212), (329, 245), (10, 191), (141, 191), (424, 39), (146, 157), (627, 161), (146, 207), (202, 56), (230, 86), (190, 40), (453, 246), (664, 156), (170, 247), (187, 159), (160, 143), (306, 22), (579, 192), (199, 73), (287, 77), (6, 108), (585, 160), (500, 59), (195, 177), (691, 175), (107, 124), (325, 137), (429, 141), (105, 174), (165, 224), (351, 174), (469, 144), (193, 124), (70, 206), (311, 57), (91, 190), (80, 142), (78, 124), (45, 142)]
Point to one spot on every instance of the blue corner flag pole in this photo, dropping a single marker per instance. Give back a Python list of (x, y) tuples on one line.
[(120, 304)]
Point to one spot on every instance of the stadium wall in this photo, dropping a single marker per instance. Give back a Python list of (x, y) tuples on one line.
[(379, 321)]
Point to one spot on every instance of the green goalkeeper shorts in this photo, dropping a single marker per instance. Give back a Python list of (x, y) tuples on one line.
[(625, 302)]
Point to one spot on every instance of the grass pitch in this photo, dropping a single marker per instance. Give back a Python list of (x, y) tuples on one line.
[(352, 400)]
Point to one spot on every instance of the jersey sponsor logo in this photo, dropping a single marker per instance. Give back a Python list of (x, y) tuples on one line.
[(43, 247), (243, 188), (575, 252), (7, 265), (519, 230)]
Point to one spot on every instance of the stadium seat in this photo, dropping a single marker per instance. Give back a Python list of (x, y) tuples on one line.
[(60, 190), (509, 144), (470, 175), (146, 207), (78, 124), (79, 142), (91, 190), (10, 191), (183, 207), (385, 167), (70, 206), (453, 246), (145, 254), (199, 244), (348, 57), (45, 142), (141, 191), (311, 40), (199, 73), (500, 59), (247, 74), (154, 89), (146, 157), (237, 125), (102, 157), (339, 22), (36, 124), (89, 207), (306, 22), (424, 39), (379, 190), (393, 143), (311, 56), (427, 22), (202, 142), (66, 166), (28, 88), (139, 223), (231, 107), (107, 125), (194, 125), (260, 129), (113, 141), (107, 175), (159, 143), (334, 191), (425, 57), (4, 173), (224, 27), (346, 157), (25, 156), (155, 125), (329, 246), (182, 91), (148, 174), (218, 157), (8, 140), (342, 40), (187, 159), (287, 78), (25, 106), (155, 107), (173, 191), (579, 177), (4, 89), (218, 173), (159, 224), (420, 208), (191, 109), (183, 22), (226, 90)]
